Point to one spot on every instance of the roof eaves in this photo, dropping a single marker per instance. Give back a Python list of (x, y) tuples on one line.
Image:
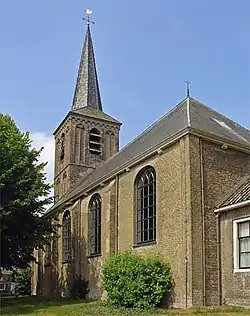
[(65, 118), (231, 207), (218, 139), (111, 120), (132, 162)]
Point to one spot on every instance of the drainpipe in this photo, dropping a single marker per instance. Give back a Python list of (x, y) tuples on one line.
[(117, 214), (219, 257), (203, 224), (186, 241), (186, 281)]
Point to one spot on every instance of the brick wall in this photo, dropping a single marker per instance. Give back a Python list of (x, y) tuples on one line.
[(235, 285), (222, 170)]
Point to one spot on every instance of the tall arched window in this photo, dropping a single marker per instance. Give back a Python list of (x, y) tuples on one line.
[(95, 141), (146, 206), (66, 237), (62, 143), (95, 225)]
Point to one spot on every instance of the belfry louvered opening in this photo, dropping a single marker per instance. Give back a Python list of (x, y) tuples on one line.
[(95, 141)]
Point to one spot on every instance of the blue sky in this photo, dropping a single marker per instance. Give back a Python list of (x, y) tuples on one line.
[(145, 50)]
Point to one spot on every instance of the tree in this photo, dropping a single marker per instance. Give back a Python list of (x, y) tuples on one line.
[(24, 194)]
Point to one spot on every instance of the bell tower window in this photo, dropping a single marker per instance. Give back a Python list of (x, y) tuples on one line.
[(62, 142), (95, 141)]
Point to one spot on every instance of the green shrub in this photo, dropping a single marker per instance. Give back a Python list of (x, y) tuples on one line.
[(134, 281), (22, 280)]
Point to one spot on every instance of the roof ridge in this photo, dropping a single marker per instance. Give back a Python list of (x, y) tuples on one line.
[(149, 127), (188, 112)]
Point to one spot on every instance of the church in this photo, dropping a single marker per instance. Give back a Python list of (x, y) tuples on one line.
[(180, 189)]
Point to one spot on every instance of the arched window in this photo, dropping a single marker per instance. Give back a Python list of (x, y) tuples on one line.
[(95, 141), (146, 206), (66, 237), (95, 225), (62, 143)]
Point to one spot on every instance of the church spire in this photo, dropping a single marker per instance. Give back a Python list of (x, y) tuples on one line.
[(87, 92)]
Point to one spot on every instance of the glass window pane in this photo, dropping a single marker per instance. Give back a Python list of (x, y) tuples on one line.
[(92, 248), (139, 204), (139, 235), (145, 191), (145, 235), (151, 211), (145, 214), (244, 230), (151, 200), (139, 226), (141, 183), (139, 215), (151, 188), (151, 177), (139, 193), (151, 234), (151, 223), (245, 244), (245, 260)]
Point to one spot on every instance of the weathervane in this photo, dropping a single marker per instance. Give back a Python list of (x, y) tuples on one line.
[(88, 13), (187, 88)]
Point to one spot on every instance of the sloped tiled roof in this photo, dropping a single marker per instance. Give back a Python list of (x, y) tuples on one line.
[(240, 193), (189, 114)]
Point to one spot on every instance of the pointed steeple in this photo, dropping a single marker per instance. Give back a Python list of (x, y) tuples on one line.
[(87, 94)]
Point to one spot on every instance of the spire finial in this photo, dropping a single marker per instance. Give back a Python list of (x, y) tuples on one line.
[(88, 19), (187, 88)]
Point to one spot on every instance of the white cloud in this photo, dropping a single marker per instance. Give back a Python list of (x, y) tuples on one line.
[(39, 140)]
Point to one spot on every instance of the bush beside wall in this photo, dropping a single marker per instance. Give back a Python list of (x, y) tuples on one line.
[(136, 282)]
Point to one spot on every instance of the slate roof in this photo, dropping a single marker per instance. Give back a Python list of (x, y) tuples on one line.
[(209, 121), (189, 114), (87, 93), (240, 193)]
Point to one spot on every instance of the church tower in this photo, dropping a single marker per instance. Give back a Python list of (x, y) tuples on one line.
[(87, 136)]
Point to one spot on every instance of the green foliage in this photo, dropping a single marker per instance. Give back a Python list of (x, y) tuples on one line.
[(79, 288), (134, 281), (22, 280), (24, 195)]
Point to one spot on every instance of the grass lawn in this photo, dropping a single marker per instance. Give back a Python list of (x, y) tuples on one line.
[(33, 306)]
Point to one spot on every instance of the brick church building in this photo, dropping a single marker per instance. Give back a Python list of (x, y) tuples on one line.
[(181, 188)]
